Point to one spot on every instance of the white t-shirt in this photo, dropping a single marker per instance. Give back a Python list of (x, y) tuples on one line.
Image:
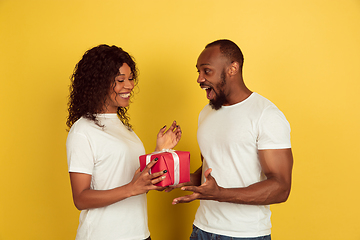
[(111, 156), (229, 140)]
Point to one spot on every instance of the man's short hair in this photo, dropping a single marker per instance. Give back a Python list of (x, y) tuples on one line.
[(230, 50)]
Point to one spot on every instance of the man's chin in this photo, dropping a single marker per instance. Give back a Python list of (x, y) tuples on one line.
[(218, 101), (216, 105)]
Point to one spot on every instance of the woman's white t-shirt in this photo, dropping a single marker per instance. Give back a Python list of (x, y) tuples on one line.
[(110, 154)]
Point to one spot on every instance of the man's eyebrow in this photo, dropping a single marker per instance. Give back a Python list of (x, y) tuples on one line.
[(203, 64)]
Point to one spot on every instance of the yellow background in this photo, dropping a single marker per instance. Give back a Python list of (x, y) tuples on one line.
[(302, 55)]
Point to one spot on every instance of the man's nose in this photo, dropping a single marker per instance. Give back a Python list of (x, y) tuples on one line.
[(200, 78)]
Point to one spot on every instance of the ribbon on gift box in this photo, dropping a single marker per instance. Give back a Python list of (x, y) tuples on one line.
[(176, 163)]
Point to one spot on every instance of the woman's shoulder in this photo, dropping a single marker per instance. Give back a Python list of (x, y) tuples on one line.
[(82, 125)]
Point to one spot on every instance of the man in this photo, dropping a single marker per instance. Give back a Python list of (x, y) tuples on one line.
[(245, 150)]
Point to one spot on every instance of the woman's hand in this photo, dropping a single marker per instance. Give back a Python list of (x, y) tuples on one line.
[(168, 139), (143, 182)]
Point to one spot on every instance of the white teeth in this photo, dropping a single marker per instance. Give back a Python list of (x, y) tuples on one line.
[(125, 95), (205, 88)]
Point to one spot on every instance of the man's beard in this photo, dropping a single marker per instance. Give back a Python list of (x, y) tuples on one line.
[(220, 97)]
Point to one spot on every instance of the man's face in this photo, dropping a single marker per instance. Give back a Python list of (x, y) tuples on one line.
[(211, 67)]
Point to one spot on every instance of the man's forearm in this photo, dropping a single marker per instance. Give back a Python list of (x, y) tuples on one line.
[(266, 192)]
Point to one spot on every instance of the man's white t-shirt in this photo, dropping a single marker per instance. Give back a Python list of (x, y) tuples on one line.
[(110, 154), (229, 140)]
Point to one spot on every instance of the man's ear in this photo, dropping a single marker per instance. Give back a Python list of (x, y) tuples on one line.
[(234, 68)]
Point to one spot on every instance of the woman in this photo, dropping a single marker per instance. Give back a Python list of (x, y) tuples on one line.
[(103, 151)]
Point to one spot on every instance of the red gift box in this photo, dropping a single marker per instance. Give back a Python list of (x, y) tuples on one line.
[(177, 164)]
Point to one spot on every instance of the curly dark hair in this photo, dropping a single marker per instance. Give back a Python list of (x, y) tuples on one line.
[(91, 80)]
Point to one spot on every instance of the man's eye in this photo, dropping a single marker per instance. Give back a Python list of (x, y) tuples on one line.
[(207, 71)]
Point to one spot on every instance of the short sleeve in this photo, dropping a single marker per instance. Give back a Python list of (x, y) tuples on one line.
[(79, 153), (274, 130)]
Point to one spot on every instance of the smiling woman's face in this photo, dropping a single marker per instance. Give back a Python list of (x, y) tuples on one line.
[(120, 90)]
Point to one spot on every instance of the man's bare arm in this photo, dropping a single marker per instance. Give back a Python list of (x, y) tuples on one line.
[(277, 167)]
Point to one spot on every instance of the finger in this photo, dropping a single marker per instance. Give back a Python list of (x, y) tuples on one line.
[(207, 173), (157, 174), (191, 189), (157, 180), (177, 131), (180, 185), (160, 189), (169, 189), (178, 128), (137, 171), (173, 126), (184, 199), (178, 136), (151, 164)]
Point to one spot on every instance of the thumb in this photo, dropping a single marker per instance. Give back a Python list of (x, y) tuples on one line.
[(207, 174)]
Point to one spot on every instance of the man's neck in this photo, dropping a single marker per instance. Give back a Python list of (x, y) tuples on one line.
[(239, 92)]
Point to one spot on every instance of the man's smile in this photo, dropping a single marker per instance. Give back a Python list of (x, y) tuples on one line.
[(210, 93)]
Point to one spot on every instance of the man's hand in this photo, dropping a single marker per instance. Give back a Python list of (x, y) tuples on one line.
[(195, 180), (207, 191)]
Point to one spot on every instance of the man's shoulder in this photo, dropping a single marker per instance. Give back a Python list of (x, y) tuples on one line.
[(262, 103), (260, 98)]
